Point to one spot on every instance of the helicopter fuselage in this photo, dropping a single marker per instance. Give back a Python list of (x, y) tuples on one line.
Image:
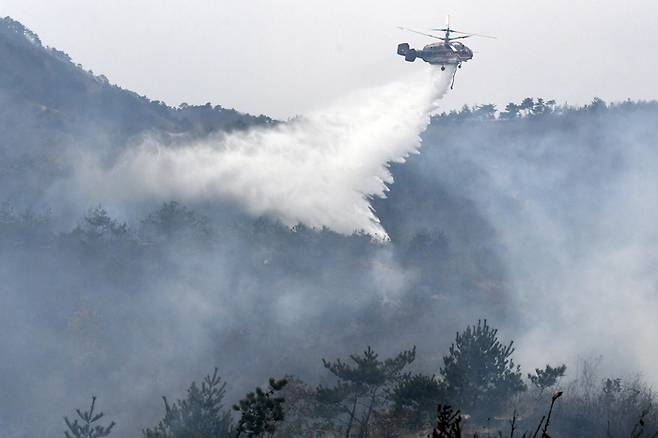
[(440, 53), (445, 53)]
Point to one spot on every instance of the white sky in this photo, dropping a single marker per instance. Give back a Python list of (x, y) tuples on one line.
[(286, 57)]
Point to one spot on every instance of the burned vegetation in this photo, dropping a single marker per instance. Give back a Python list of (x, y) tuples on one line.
[(479, 392)]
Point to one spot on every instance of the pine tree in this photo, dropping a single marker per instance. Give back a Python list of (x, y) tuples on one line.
[(260, 411), (415, 398), (548, 377), (479, 372), (86, 428), (199, 415), (360, 387)]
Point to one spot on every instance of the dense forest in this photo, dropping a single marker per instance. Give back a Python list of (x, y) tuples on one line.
[(534, 219)]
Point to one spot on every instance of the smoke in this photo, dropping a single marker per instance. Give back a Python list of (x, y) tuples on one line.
[(319, 170), (576, 214)]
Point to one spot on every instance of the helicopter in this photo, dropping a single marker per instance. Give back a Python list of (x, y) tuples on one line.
[(447, 52)]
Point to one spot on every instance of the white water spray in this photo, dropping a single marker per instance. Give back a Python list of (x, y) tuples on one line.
[(319, 170)]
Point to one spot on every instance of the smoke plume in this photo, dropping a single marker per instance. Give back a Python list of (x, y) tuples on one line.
[(319, 170), (575, 211)]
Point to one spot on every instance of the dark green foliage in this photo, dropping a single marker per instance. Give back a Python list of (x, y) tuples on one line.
[(597, 105), (548, 377), (98, 225), (199, 415), (527, 104), (512, 111), (360, 387), (485, 112), (85, 428), (529, 107), (261, 411), (368, 369), (415, 398), (300, 410), (174, 220), (543, 107), (448, 423), (479, 372)]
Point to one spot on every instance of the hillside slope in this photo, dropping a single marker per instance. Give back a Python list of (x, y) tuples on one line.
[(541, 219), (48, 104)]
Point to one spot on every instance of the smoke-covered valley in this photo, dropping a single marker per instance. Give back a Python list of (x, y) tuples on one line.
[(141, 245)]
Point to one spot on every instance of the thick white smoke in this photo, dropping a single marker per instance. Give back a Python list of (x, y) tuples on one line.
[(319, 170), (578, 224)]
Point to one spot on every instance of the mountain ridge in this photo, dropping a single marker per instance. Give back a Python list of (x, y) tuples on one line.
[(48, 104)]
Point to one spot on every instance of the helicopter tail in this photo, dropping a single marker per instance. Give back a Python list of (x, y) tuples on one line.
[(409, 54)]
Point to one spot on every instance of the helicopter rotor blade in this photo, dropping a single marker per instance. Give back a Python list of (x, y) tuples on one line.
[(483, 36), (420, 33), (460, 37), (466, 33), (480, 35), (447, 29)]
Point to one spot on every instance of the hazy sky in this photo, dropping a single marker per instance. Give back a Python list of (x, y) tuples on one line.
[(286, 57)]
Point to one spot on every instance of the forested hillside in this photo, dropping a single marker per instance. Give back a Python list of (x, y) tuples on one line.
[(508, 216), (49, 106)]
